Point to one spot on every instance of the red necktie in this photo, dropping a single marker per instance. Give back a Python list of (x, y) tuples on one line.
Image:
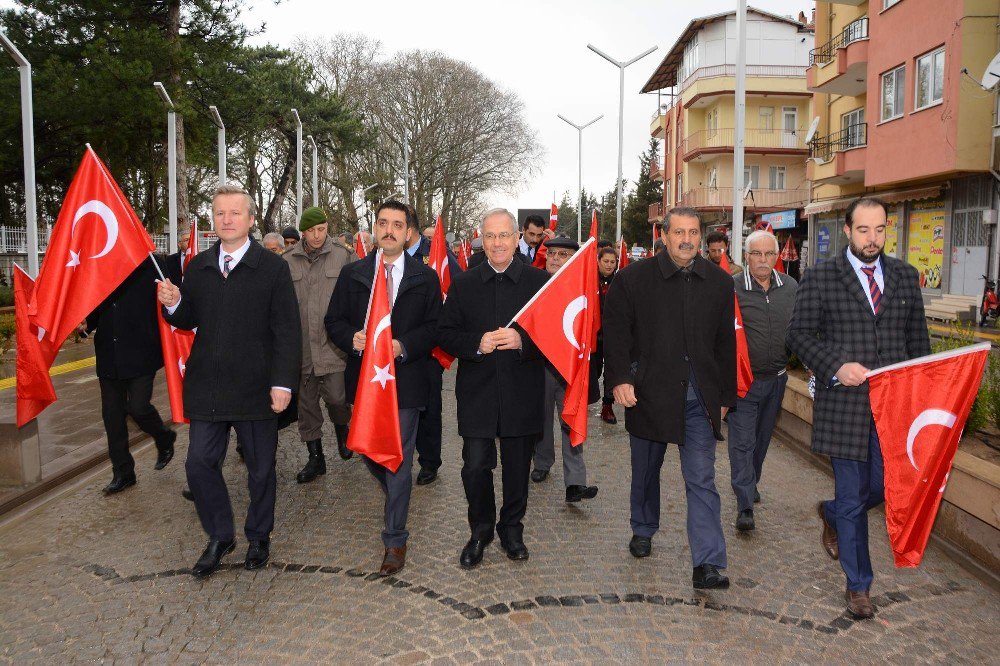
[(873, 289)]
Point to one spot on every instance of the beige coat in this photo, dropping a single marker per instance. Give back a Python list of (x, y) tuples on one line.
[(314, 283)]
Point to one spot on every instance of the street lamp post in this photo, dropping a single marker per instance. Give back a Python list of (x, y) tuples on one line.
[(315, 170), (217, 119), (621, 119), (298, 164), (28, 141), (579, 181), (171, 167)]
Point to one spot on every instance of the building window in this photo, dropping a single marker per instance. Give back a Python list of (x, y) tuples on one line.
[(888, 3), (766, 118), (751, 176), (680, 187), (666, 193), (776, 178), (930, 79), (852, 123), (893, 90), (690, 62)]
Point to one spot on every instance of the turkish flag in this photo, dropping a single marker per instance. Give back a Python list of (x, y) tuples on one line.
[(623, 258), (593, 224), (34, 355), (744, 375), (437, 259), (463, 256), (359, 246), (542, 251), (789, 253), (97, 241), (570, 297), (779, 265), (192, 246), (375, 422), (176, 344), (920, 407), (724, 263)]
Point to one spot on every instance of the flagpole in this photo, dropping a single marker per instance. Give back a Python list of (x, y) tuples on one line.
[(545, 286), (930, 358)]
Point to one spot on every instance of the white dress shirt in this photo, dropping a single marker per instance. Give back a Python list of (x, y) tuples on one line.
[(526, 249), (397, 275)]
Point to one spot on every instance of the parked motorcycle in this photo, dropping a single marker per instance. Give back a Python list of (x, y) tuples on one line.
[(990, 308)]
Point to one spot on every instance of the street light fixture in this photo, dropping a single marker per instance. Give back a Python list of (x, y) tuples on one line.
[(298, 164), (621, 119), (171, 167), (217, 119), (315, 170), (28, 141), (579, 182)]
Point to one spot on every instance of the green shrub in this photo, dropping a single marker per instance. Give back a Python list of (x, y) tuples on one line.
[(7, 328), (986, 408), (6, 296)]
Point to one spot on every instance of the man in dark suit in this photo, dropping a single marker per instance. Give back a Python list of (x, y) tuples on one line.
[(245, 361), (670, 353), (173, 267), (415, 295), (533, 233), (858, 311), (127, 346), (501, 375)]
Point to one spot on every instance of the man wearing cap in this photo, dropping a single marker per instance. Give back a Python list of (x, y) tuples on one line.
[(315, 264), (291, 235), (559, 250)]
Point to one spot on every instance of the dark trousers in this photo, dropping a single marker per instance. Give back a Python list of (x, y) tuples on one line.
[(750, 428), (129, 397), (480, 459), (207, 452), (397, 485), (429, 428), (697, 454), (858, 487)]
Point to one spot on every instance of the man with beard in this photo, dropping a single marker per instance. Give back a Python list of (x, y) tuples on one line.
[(858, 311)]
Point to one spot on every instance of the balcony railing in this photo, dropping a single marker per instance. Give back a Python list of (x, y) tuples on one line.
[(725, 139), (852, 136), (656, 212), (766, 71), (722, 197), (852, 33)]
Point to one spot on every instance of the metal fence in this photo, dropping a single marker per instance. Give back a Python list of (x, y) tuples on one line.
[(852, 33), (852, 136)]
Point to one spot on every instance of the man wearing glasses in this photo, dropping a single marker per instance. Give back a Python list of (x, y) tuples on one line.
[(766, 299)]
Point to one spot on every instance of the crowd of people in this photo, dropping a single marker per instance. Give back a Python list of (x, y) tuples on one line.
[(281, 334)]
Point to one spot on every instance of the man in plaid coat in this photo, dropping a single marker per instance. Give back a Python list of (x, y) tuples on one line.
[(858, 311)]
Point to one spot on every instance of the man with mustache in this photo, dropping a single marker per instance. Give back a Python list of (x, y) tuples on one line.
[(858, 311), (670, 353)]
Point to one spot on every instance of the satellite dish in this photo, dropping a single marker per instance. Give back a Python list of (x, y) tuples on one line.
[(991, 77), (746, 190), (813, 126)]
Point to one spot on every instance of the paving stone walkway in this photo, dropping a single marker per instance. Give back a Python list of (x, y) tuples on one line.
[(94, 579)]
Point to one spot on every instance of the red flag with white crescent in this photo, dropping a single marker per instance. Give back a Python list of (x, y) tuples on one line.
[(176, 344), (35, 354), (920, 408), (375, 430), (744, 373), (437, 259)]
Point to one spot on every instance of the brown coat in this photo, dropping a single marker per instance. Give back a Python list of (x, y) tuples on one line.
[(314, 282)]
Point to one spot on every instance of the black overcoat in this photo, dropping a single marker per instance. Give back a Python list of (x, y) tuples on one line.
[(414, 323), (659, 324), (127, 343), (833, 324), (499, 394), (249, 337)]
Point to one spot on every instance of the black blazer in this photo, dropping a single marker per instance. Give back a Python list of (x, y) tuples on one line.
[(414, 323), (499, 394), (249, 337), (658, 325), (127, 344), (171, 267)]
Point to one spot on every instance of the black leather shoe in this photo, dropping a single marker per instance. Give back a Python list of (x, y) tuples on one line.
[(165, 450), (515, 551), (640, 546), (472, 554), (188, 495), (539, 475), (212, 557), (577, 493), (707, 577), (257, 554), (744, 521), (316, 465), (342, 431), (119, 483), (426, 475)]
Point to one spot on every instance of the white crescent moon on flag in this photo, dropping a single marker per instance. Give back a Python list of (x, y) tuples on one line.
[(382, 325), (107, 215), (928, 417), (575, 307)]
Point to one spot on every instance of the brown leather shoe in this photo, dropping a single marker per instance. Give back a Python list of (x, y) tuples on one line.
[(829, 535), (859, 605), (393, 562)]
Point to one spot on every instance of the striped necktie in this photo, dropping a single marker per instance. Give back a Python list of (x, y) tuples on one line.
[(226, 260), (388, 282), (873, 289)]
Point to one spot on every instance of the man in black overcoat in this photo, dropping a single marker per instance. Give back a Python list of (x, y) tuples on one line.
[(127, 347), (858, 311), (416, 305), (245, 361), (670, 354), (501, 375)]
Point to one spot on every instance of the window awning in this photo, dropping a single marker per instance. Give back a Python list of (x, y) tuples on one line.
[(892, 197)]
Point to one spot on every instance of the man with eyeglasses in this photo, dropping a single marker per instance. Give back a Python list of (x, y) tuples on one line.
[(558, 251), (766, 299)]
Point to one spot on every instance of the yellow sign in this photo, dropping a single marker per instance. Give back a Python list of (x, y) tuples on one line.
[(926, 242), (891, 233)]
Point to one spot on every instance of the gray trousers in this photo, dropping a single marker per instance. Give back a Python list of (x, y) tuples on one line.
[(398, 485), (750, 428), (329, 388), (574, 469)]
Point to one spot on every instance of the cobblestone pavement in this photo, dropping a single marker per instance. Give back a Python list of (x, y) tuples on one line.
[(88, 578)]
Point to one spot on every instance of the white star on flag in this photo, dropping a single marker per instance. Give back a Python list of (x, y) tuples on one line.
[(180, 366), (74, 259), (382, 375), (737, 323)]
